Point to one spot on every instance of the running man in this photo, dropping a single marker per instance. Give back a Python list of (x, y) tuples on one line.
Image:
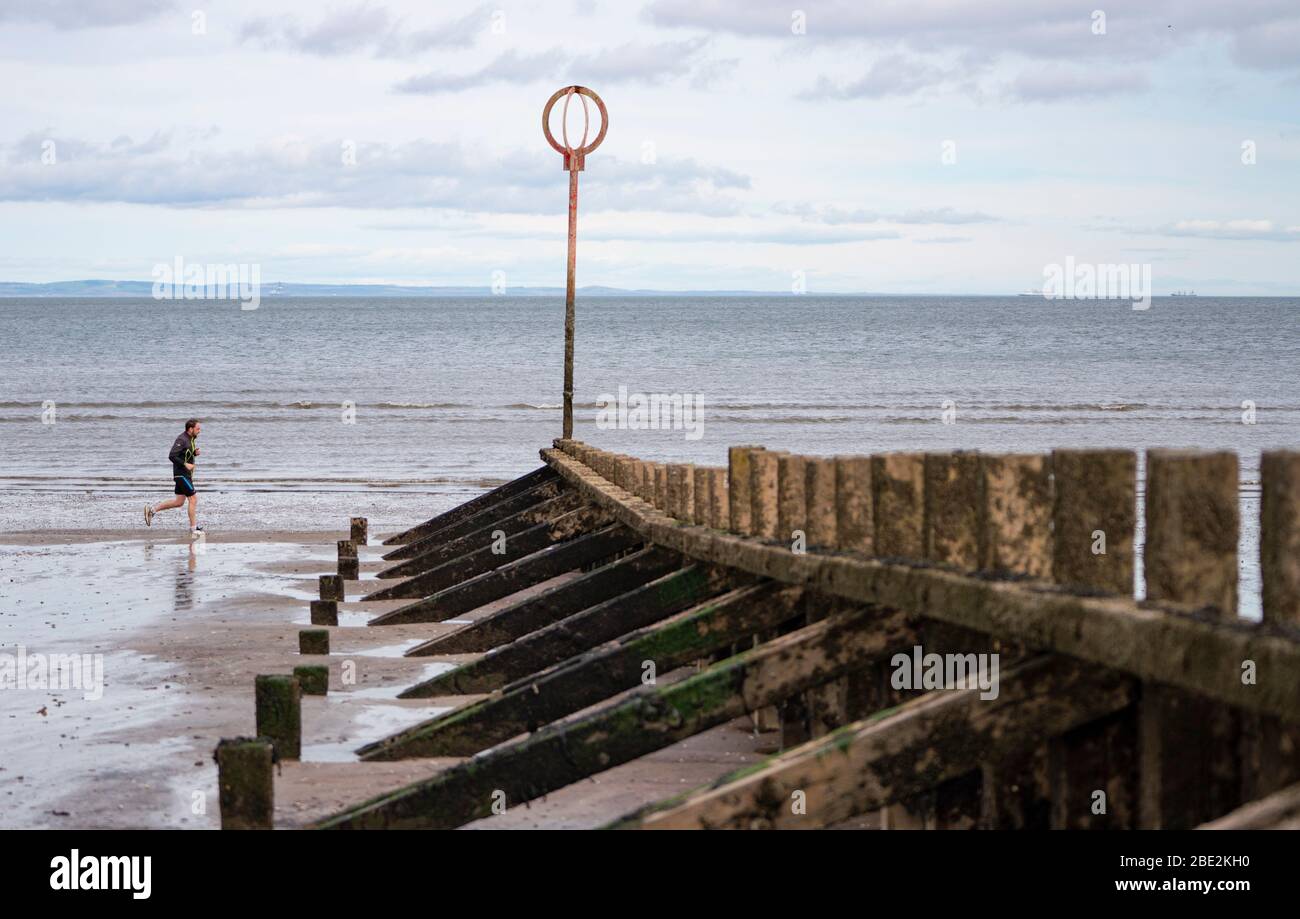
[(183, 455)]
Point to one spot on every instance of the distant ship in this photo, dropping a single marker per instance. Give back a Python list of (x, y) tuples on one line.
[(1183, 293), (1032, 293)]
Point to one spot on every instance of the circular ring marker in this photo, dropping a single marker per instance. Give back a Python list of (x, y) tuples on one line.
[(574, 157)]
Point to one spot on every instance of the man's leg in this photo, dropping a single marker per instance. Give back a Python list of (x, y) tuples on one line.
[(168, 505), (193, 509)]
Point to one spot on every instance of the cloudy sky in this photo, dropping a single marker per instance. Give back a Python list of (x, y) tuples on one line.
[(904, 146)]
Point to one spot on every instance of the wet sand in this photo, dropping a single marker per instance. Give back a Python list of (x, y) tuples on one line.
[(183, 630)]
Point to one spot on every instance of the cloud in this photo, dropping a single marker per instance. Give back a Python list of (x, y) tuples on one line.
[(69, 15), (1259, 35), (292, 173), (893, 75), (835, 216), (650, 64), (1234, 229), (362, 28), (1052, 83)]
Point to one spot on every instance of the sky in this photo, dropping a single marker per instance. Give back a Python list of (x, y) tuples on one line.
[(906, 146)]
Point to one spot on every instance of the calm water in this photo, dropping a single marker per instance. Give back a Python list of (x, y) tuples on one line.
[(453, 394)]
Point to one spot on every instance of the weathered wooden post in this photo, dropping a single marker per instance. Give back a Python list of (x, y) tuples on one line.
[(314, 641), (245, 784), (324, 612), (360, 531), (855, 527), (681, 485), (331, 587), (898, 489), (898, 510), (764, 476), (791, 499), (313, 678), (1276, 748), (279, 713), (739, 475), (719, 500), (661, 489), (1191, 770), (700, 491), (1016, 540), (821, 503), (349, 564), (574, 161), (1094, 518)]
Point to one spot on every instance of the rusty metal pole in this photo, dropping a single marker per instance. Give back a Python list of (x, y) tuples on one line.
[(574, 161)]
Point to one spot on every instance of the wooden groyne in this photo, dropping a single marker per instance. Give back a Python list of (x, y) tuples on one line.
[(947, 640)]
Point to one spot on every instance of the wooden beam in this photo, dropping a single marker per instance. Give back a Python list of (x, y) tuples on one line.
[(514, 577), (491, 554), (529, 517), (649, 719), (586, 679), (1278, 811), (898, 753), (553, 604), (1152, 641), (488, 516), (523, 483), (580, 632)]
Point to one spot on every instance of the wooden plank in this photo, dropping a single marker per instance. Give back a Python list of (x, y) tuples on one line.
[(556, 603), (953, 505), (1158, 644), (474, 505), (1015, 540), (791, 498), (681, 491), (719, 500), (739, 476), (1016, 527), (1190, 745), (486, 517), (899, 753), (649, 719), (1274, 749), (514, 577), (820, 511), (486, 557), (588, 678), (1094, 514), (1278, 811), (580, 632), (764, 476), (529, 517), (898, 500), (1279, 535)]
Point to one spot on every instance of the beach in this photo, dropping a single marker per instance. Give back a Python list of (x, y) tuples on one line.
[(409, 408), (182, 634)]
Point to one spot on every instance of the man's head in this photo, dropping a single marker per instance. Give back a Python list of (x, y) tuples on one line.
[(192, 427)]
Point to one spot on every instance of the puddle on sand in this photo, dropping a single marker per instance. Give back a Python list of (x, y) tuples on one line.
[(368, 724), (346, 619), (389, 692), (397, 650)]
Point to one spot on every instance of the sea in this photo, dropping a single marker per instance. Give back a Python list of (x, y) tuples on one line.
[(315, 409)]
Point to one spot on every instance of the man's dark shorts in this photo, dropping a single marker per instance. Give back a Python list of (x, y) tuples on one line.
[(184, 486)]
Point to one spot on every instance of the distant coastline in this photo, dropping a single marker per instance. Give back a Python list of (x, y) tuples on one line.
[(104, 289)]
